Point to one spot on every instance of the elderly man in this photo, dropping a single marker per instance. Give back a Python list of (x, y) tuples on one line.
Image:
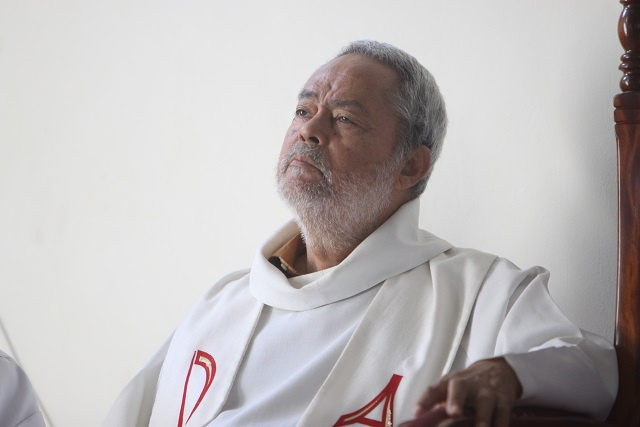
[(352, 315)]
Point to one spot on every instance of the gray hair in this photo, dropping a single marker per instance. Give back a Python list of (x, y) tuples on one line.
[(417, 101)]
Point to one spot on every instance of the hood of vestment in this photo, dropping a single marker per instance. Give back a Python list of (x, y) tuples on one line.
[(398, 245)]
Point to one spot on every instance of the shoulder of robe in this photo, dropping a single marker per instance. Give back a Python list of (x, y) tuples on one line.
[(465, 255), (224, 281)]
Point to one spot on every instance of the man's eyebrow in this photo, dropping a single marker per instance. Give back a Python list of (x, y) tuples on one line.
[(348, 103), (309, 94)]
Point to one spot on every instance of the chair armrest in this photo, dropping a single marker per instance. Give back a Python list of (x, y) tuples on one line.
[(520, 417)]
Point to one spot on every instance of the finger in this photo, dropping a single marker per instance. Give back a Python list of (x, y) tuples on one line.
[(434, 395), (503, 414), (485, 406), (456, 396), (511, 377)]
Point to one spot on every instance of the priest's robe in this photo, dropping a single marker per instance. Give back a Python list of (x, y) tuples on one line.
[(362, 341)]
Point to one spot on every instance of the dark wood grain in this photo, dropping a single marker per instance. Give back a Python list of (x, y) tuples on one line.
[(629, 34), (626, 410), (520, 417), (627, 114)]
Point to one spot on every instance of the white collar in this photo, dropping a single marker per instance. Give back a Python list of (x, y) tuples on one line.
[(398, 245)]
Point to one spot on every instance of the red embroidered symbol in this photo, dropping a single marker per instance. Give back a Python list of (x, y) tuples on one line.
[(385, 398), (205, 360)]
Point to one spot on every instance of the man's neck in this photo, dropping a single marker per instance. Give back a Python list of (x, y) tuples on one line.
[(330, 235), (328, 248), (309, 262)]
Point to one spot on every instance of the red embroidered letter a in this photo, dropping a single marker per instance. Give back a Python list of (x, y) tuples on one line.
[(385, 398)]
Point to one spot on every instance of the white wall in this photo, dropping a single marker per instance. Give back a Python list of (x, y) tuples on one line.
[(138, 140)]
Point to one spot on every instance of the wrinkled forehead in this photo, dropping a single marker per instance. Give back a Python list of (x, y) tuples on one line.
[(353, 73)]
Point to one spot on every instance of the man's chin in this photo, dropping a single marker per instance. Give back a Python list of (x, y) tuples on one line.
[(303, 169), (302, 199), (296, 188), (303, 178)]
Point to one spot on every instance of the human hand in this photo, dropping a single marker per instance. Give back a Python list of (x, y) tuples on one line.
[(490, 386)]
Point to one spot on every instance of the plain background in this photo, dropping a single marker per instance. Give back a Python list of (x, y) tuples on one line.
[(138, 141)]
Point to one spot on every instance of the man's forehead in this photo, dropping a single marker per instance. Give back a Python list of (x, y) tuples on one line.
[(326, 77), (352, 74), (311, 95)]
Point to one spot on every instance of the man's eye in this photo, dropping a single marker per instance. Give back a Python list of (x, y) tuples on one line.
[(302, 113), (343, 119)]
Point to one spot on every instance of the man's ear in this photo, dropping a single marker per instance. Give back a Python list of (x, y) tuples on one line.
[(414, 168)]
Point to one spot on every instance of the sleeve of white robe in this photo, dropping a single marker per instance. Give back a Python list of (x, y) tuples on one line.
[(133, 405), (18, 403), (557, 364)]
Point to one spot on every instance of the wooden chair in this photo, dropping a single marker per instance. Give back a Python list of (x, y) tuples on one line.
[(626, 410)]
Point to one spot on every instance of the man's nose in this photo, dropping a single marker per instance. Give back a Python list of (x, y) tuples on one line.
[(315, 130)]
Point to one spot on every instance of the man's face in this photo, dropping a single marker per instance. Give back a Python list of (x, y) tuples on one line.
[(343, 134)]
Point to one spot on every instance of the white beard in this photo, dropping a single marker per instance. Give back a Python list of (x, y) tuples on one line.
[(340, 211)]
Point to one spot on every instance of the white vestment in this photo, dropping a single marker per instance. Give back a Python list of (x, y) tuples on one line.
[(408, 308), (18, 403)]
